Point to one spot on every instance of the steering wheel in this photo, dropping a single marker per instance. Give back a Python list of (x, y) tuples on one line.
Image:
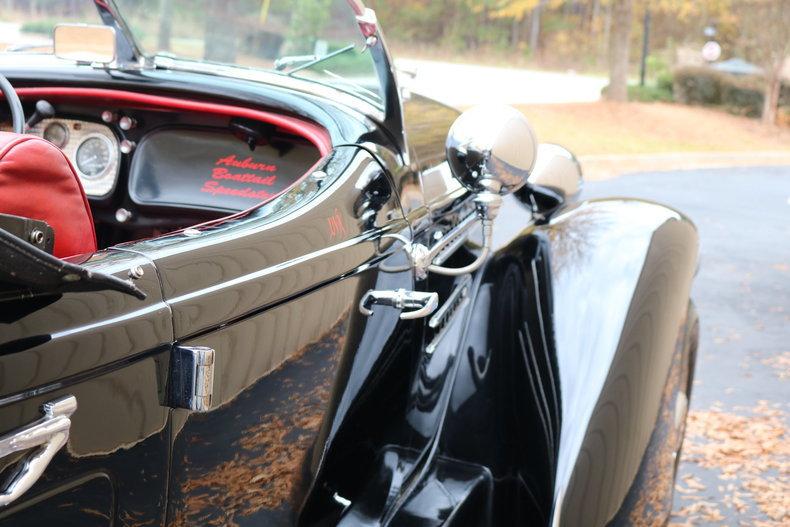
[(17, 113)]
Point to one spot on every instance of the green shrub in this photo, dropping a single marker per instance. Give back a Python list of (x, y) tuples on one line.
[(697, 85), (38, 26), (743, 95), (665, 81), (650, 93), (660, 71)]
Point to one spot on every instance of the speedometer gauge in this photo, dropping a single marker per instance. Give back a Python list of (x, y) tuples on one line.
[(94, 156)]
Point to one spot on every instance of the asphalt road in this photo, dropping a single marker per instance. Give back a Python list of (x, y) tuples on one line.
[(734, 469)]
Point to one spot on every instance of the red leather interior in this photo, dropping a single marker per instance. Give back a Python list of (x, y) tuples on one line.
[(37, 181)]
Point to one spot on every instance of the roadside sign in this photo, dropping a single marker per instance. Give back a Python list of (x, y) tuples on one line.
[(711, 51)]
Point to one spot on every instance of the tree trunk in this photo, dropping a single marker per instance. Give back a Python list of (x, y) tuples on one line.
[(515, 33), (603, 43), (594, 14), (220, 37), (534, 32), (165, 25), (771, 100), (622, 11)]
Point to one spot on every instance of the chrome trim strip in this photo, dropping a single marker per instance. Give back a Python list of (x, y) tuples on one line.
[(449, 308), (451, 241), (434, 344)]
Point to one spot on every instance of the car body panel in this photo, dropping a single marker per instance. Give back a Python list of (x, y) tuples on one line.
[(263, 259), (110, 351), (282, 318), (250, 460)]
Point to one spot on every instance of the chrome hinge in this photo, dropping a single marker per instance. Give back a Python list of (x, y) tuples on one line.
[(191, 382), (423, 304)]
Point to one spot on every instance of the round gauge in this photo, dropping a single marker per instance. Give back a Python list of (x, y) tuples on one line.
[(94, 156), (57, 134)]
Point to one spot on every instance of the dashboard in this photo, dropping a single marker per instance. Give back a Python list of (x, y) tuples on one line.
[(151, 164)]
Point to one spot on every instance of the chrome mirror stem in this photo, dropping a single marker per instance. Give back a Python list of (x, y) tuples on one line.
[(487, 204), (474, 266), (424, 259)]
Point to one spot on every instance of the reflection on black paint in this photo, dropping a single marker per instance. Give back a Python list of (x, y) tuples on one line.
[(251, 469)]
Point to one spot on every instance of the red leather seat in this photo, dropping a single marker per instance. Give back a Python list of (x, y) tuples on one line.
[(37, 181)]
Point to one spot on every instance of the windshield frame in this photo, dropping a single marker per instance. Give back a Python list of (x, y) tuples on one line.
[(127, 52), (132, 56)]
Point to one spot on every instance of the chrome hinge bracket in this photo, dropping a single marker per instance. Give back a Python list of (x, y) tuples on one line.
[(191, 380)]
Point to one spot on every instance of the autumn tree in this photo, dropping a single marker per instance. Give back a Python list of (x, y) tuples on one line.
[(766, 40), (308, 18), (619, 46), (520, 11)]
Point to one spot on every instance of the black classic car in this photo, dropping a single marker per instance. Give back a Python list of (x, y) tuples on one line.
[(246, 278)]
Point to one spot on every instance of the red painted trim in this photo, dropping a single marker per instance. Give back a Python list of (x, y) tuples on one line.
[(96, 96)]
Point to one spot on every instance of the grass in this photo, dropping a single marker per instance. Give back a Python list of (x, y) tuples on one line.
[(649, 93), (647, 128)]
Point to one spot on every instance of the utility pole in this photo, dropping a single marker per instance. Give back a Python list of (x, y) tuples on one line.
[(645, 47)]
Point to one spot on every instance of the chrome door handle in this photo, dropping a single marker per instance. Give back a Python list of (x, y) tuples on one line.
[(49, 433), (423, 304)]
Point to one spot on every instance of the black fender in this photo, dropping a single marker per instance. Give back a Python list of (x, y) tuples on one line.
[(573, 375), (621, 278), (557, 382)]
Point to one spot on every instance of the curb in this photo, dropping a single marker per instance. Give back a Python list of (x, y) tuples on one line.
[(602, 167)]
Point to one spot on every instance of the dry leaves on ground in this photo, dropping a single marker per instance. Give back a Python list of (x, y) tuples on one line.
[(780, 363), (750, 455)]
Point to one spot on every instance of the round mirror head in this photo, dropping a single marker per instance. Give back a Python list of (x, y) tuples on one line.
[(491, 148)]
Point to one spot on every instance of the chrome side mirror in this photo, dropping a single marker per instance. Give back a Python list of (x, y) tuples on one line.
[(556, 168), (491, 151), (491, 148), (555, 181), (84, 43)]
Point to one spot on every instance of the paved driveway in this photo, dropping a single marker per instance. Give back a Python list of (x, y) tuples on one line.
[(467, 85), (736, 461)]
